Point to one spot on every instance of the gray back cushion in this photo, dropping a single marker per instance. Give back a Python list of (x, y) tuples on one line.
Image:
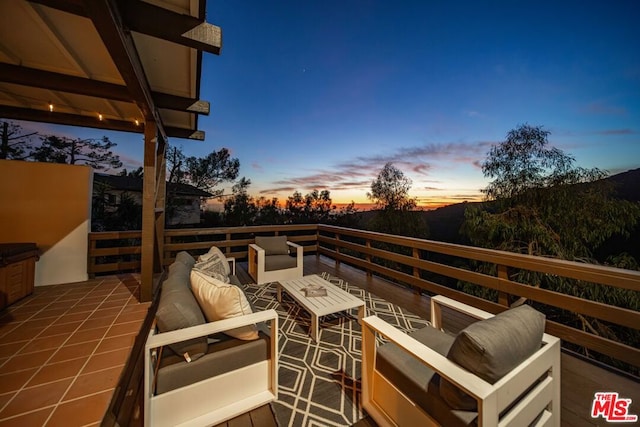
[(185, 258), (491, 348), (273, 245), (179, 309)]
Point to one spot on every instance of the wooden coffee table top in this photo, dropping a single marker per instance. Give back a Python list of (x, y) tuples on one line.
[(335, 301)]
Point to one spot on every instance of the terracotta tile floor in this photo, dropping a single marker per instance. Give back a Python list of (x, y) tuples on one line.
[(63, 348)]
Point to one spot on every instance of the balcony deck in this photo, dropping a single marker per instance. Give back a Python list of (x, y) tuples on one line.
[(63, 349)]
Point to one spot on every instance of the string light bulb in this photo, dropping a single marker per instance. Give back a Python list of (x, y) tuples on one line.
[(100, 116), (51, 107), (137, 122)]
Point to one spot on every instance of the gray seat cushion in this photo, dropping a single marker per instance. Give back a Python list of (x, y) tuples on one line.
[(273, 245), (419, 382), (493, 347), (279, 262), (224, 355)]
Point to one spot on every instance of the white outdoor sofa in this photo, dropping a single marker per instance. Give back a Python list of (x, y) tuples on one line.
[(196, 373), (411, 379)]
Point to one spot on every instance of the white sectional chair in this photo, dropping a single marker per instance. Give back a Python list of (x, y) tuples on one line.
[(273, 258), (201, 372), (500, 371)]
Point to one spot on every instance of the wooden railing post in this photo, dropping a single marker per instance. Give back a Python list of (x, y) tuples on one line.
[(368, 245), (91, 262), (503, 297), (416, 270), (337, 236)]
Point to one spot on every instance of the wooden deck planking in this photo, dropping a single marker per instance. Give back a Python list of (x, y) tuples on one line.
[(580, 379)]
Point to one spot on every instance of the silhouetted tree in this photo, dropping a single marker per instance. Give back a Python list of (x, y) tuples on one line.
[(175, 165), (91, 152), (136, 173), (207, 172), (390, 192), (269, 211), (14, 142), (313, 208), (541, 203), (240, 209)]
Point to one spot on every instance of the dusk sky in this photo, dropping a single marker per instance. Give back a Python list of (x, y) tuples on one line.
[(321, 94)]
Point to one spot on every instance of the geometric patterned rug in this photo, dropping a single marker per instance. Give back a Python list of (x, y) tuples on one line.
[(319, 383)]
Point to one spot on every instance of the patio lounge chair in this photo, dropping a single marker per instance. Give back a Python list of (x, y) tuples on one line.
[(270, 259), (502, 370)]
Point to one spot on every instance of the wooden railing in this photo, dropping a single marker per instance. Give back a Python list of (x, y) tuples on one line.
[(427, 266), (116, 251)]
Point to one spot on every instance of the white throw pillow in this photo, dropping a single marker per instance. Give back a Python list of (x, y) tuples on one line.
[(214, 260), (220, 301)]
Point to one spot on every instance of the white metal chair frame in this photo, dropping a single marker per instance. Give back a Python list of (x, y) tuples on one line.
[(388, 406), (257, 265), (219, 398)]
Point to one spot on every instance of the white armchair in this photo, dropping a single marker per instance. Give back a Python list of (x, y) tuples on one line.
[(196, 395), (273, 258), (419, 378)]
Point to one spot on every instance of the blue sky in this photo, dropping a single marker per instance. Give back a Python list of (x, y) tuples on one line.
[(321, 94)]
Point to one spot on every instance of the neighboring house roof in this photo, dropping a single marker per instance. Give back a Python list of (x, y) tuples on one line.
[(129, 183)]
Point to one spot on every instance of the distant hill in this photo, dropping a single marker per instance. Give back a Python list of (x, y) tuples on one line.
[(445, 222), (627, 184)]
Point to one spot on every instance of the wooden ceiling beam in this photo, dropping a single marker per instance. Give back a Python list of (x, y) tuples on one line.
[(82, 86), (43, 116), (56, 117), (108, 22), (75, 7), (146, 18), (164, 24)]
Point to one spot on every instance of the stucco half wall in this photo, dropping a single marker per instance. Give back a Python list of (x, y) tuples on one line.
[(49, 204)]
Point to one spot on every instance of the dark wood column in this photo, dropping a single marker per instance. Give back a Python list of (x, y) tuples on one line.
[(148, 213), (161, 191)]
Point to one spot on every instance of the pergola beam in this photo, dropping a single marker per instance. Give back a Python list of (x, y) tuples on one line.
[(159, 22), (82, 86), (32, 115), (146, 18), (108, 22)]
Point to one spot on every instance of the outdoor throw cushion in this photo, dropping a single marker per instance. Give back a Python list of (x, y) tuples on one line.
[(214, 260), (212, 272), (179, 309), (493, 347), (273, 245), (221, 301)]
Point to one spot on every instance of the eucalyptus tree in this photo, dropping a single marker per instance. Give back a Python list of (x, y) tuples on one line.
[(396, 208), (540, 203)]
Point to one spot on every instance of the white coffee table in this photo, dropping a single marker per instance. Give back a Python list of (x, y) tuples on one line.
[(336, 299)]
